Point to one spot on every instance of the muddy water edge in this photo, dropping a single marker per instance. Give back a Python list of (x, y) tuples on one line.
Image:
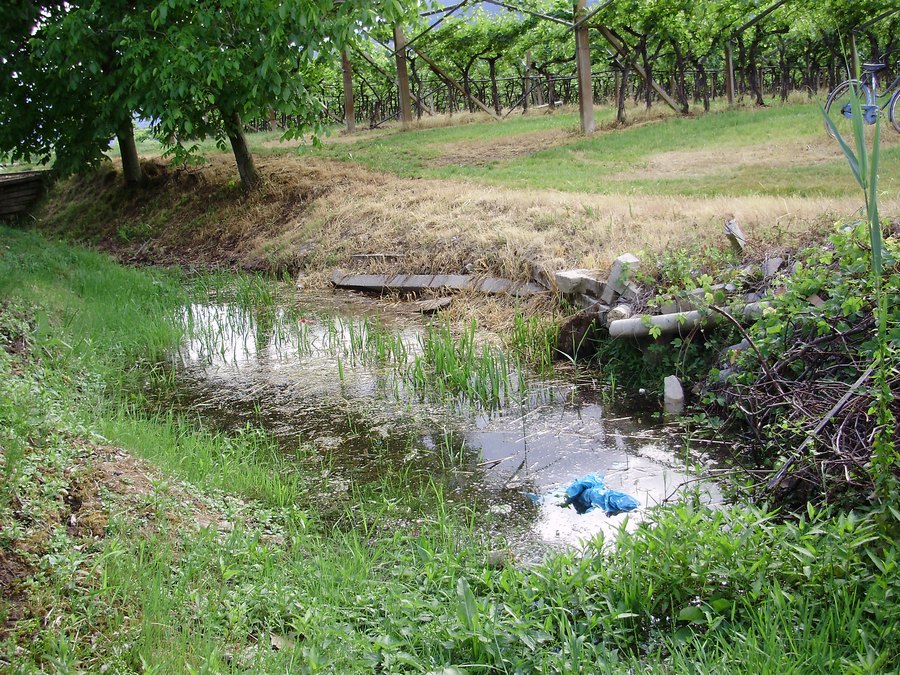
[(373, 389)]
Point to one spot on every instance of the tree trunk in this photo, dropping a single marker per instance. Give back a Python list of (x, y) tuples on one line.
[(495, 93), (703, 84), (526, 83), (250, 178), (349, 106), (131, 164), (755, 79), (621, 94), (680, 86), (742, 65), (648, 69)]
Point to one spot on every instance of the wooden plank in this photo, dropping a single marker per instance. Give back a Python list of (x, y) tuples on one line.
[(20, 175), (415, 283), (27, 199), (20, 194), (32, 193), (14, 188)]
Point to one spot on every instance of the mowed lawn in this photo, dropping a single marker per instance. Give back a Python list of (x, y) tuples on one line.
[(777, 151)]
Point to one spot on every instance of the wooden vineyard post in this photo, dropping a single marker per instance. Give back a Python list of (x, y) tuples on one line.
[(583, 63), (402, 76), (349, 112), (526, 89), (729, 72)]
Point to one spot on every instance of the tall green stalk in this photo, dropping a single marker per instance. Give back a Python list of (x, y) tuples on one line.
[(864, 165)]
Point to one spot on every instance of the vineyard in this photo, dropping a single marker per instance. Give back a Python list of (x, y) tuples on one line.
[(77, 74), (505, 57)]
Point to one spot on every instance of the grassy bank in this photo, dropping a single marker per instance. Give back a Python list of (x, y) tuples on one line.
[(143, 541), (493, 198)]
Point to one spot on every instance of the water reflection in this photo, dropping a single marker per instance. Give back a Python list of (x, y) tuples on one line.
[(307, 376)]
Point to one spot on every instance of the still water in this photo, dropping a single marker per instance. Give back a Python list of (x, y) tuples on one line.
[(309, 375)]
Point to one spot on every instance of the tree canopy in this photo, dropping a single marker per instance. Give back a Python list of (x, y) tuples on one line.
[(75, 73)]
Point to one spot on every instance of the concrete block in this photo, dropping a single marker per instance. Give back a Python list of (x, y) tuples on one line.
[(673, 396), (631, 292), (623, 269), (771, 266), (735, 236), (573, 282), (677, 305), (619, 312)]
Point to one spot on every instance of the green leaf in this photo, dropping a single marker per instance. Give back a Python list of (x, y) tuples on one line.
[(851, 158), (467, 610), (692, 614)]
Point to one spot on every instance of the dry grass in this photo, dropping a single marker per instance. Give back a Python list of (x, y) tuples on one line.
[(704, 162), (478, 153), (312, 214)]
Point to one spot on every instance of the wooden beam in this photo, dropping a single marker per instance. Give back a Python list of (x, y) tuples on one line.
[(522, 10), (448, 12), (872, 22), (590, 15), (620, 48), (349, 108), (583, 64), (402, 76), (372, 63), (759, 17), (729, 72), (456, 85)]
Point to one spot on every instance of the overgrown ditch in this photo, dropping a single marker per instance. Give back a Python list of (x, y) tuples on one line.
[(226, 548), (374, 391)]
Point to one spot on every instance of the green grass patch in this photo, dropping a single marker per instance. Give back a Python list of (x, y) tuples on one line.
[(631, 159), (293, 576)]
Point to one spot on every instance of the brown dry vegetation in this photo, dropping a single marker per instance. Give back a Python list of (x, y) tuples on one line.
[(479, 153), (703, 162), (312, 214)]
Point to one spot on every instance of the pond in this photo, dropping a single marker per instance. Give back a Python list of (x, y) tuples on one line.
[(345, 374)]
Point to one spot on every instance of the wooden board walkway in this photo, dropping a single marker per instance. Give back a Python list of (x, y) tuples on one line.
[(415, 283), (20, 191)]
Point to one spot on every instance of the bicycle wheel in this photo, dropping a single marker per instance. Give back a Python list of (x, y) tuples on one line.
[(838, 106), (893, 111)]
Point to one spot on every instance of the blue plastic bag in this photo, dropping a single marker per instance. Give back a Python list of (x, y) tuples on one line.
[(589, 493)]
